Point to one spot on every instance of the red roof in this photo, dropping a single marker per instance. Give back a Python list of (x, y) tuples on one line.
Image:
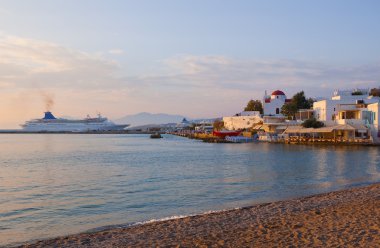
[(267, 100), (278, 93), (288, 100)]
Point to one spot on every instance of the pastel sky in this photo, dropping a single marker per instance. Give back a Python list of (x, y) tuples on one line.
[(198, 58)]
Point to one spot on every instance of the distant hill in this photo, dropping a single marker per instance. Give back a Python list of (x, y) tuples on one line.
[(144, 118)]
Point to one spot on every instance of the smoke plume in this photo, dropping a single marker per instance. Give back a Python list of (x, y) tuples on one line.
[(48, 100)]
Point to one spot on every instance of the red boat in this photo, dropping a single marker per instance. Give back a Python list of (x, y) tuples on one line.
[(224, 133)]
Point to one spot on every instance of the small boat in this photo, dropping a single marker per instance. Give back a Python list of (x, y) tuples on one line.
[(224, 133), (239, 139), (155, 136)]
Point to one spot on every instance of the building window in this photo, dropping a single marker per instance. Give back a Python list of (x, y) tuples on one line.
[(277, 111)]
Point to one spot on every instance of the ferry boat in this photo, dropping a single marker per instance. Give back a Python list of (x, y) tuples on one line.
[(49, 123)]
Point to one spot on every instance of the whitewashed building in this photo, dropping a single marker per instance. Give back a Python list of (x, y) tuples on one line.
[(355, 108), (342, 103), (272, 104), (243, 120)]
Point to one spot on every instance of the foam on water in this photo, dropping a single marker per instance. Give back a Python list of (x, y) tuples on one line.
[(174, 217)]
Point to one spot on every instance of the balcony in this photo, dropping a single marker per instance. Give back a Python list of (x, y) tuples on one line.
[(351, 121)]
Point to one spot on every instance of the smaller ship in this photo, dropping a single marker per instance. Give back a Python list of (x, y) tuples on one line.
[(49, 123), (156, 136)]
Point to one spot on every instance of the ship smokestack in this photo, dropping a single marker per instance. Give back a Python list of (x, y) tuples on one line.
[(49, 116)]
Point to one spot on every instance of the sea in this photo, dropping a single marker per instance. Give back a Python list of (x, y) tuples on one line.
[(58, 184)]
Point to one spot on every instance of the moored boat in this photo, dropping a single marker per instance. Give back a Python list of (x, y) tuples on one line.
[(224, 133), (155, 136)]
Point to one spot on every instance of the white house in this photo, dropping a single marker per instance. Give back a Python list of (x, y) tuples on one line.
[(272, 104), (328, 110), (359, 110), (244, 120)]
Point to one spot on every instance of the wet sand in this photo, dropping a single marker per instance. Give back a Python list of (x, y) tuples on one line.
[(348, 218)]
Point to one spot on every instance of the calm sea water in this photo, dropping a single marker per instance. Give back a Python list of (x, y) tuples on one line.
[(57, 184)]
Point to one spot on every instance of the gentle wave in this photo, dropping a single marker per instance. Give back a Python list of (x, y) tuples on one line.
[(65, 184), (174, 217)]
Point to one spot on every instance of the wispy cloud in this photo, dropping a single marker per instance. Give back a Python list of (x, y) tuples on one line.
[(222, 72), (4, 11), (116, 51), (185, 84), (32, 63)]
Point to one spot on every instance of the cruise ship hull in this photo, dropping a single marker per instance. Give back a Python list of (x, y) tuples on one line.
[(51, 124), (52, 127)]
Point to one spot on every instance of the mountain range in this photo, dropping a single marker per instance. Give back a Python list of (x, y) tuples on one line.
[(145, 118)]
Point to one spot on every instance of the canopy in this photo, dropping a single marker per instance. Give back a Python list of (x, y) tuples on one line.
[(257, 126), (345, 127), (295, 129), (360, 128), (282, 127)]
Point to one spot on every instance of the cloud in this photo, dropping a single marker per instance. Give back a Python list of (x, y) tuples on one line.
[(28, 63), (207, 72), (5, 11), (196, 86), (116, 51)]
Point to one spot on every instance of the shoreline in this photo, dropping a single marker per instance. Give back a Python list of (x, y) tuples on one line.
[(67, 132), (213, 139), (349, 217)]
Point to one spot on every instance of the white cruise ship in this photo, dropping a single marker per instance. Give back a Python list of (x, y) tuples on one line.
[(51, 124)]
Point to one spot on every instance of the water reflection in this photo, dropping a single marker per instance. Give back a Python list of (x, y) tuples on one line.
[(373, 162), (58, 184), (321, 158)]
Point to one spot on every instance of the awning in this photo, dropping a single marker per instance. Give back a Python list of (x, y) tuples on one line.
[(299, 129), (282, 127), (360, 128), (257, 127), (324, 130), (361, 131), (292, 129), (295, 129), (344, 127)]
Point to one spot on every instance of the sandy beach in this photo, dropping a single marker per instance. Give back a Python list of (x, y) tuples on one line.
[(348, 218)]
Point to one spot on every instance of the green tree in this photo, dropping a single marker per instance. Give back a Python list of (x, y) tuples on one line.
[(297, 102), (218, 125), (254, 105), (289, 109), (374, 92), (357, 93), (300, 100), (310, 101), (312, 123)]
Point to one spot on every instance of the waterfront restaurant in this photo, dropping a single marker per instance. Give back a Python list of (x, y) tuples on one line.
[(340, 133)]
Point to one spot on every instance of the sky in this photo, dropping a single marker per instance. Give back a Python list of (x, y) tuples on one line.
[(199, 58)]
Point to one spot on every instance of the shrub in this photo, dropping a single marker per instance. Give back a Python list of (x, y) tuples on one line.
[(312, 123), (357, 93)]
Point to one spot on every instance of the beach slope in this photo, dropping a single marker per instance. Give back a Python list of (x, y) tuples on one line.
[(348, 218)]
